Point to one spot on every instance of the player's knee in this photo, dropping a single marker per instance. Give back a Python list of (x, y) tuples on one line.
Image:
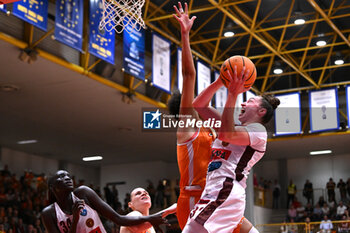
[(253, 230)]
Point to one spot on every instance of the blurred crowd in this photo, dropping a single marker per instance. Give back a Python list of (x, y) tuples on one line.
[(22, 200)]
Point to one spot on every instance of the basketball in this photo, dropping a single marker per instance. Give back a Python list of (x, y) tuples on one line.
[(240, 62)]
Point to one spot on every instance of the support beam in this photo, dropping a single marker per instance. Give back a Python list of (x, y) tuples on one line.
[(262, 41), (218, 41), (326, 62), (267, 74), (328, 20)]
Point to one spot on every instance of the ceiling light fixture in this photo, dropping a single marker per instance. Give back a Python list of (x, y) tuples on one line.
[(27, 142), (298, 14), (299, 21), (320, 152), (92, 158), (229, 34), (338, 59), (277, 71), (321, 41), (277, 68)]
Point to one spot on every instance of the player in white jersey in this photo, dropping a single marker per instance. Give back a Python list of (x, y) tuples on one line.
[(76, 211), (234, 153), (140, 203)]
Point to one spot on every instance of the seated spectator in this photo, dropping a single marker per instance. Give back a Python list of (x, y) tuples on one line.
[(284, 228), (296, 203), (340, 210), (344, 227), (326, 225), (2, 228), (310, 228), (325, 210), (309, 210), (301, 214), (293, 228), (332, 208), (292, 213), (317, 213)]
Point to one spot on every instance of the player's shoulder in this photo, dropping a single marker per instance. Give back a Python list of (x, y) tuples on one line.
[(134, 213), (48, 209), (48, 212)]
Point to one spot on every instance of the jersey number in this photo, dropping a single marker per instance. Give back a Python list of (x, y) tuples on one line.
[(66, 225)]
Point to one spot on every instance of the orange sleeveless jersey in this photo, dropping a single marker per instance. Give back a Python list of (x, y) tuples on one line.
[(193, 158)]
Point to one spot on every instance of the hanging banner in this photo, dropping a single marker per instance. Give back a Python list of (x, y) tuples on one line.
[(101, 42), (33, 12), (323, 110), (348, 103), (3, 8), (134, 52), (69, 23), (203, 76), (220, 95), (179, 70), (161, 63), (288, 115)]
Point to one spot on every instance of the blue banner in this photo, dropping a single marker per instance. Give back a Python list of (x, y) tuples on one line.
[(134, 52), (3, 8), (69, 23), (101, 42), (33, 12)]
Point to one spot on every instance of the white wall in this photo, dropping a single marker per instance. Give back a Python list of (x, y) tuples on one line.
[(137, 174), (18, 161), (261, 215), (267, 169), (318, 169)]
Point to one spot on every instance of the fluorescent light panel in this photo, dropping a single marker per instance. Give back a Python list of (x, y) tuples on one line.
[(320, 152), (27, 141), (92, 158)]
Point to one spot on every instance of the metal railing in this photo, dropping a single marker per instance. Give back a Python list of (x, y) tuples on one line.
[(304, 227)]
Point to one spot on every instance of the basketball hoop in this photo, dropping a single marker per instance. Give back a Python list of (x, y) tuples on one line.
[(122, 14)]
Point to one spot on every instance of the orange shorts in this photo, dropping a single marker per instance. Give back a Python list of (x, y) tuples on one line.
[(238, 228), (185, 204)]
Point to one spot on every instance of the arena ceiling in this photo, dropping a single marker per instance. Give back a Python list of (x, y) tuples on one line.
[(75, 104)]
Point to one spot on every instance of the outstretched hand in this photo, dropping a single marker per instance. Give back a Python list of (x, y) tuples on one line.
[(156, 220), (236, 85), (182, 17)]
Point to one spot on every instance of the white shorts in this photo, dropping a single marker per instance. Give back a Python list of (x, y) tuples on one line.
[(220, 208)]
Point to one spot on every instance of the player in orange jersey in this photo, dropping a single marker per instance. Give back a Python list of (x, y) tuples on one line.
[(193, 145)]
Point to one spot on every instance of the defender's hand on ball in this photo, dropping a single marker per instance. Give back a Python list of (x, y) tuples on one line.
[(236, 84)]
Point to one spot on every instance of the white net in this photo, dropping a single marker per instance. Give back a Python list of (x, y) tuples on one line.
[(122, 15)]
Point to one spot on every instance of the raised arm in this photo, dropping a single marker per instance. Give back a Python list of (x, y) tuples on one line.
[(228, 132), (105, 210), (188, 72), (201, 102)]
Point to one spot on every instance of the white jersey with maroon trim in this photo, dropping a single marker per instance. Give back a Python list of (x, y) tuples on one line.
[(235, 161), (89, 221)]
